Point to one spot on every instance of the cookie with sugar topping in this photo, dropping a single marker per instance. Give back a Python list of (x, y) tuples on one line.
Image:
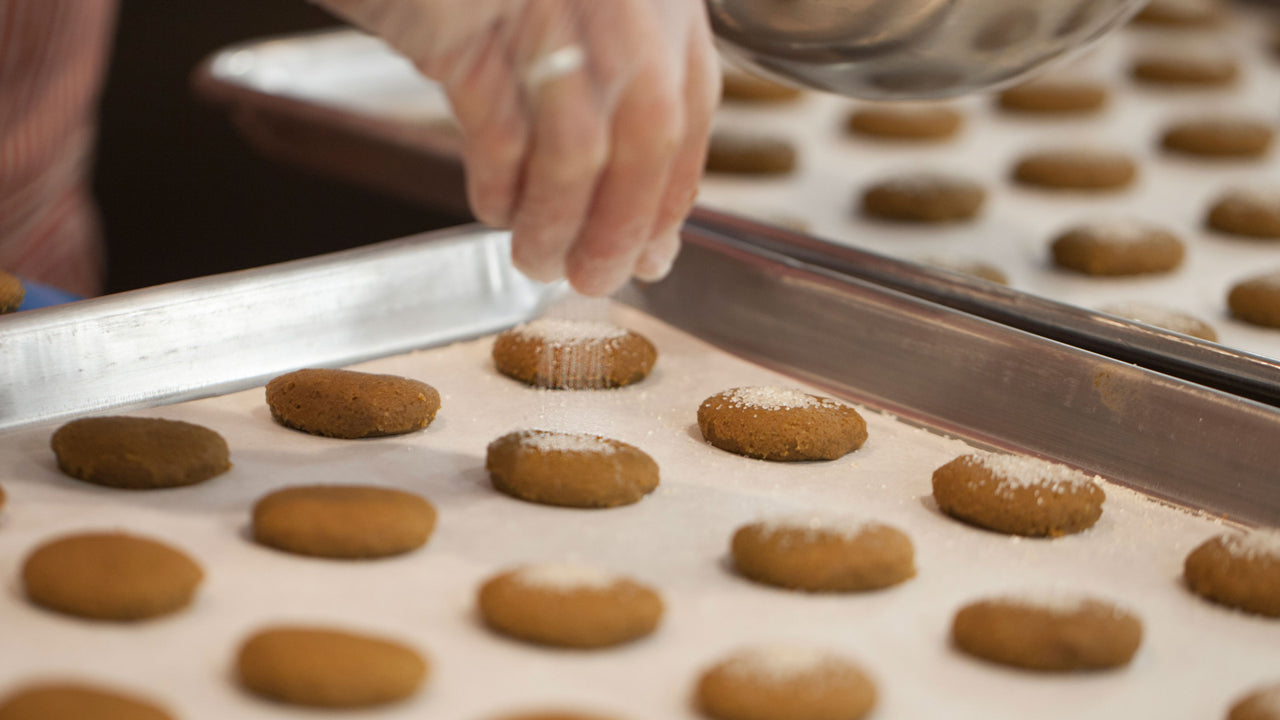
[(351, 405), (1117, 247), (573, 354), (1163, 318), (569, 605), (76, 701), (905, 121), (1076, 169), (819, 553), (1048, 632), (570, 469), (1250, 212), (1256, 299), (1240, 570), (1227, 137), (785, 682), (923, 197), (1261, 704), (783, 424), (1017, 495)]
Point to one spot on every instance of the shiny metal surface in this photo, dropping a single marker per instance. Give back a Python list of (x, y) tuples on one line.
[(897, 49)]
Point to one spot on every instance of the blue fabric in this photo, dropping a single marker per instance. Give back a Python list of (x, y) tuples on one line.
[(39, 296)]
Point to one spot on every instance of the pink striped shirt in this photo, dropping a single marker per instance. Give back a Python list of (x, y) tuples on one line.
[(52, 57)]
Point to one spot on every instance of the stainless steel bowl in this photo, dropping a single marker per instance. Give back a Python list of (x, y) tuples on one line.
[(899, 49)]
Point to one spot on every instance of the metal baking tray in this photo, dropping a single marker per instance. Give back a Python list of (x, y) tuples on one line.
[(950, 371)]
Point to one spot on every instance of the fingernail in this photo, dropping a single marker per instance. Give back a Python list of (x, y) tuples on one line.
[(656, 261)]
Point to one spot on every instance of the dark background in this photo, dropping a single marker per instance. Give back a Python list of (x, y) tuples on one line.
[(181, 194)]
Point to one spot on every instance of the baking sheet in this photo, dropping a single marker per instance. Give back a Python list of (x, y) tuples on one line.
[(1194, 660)]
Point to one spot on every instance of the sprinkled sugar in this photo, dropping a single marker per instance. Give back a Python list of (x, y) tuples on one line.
[(1020, 471), (1121, 231), (780, 663), (772, 398), (558, 331), (847, 527), (564, 577), (1058, 603), (1262, 543), (550, 441)]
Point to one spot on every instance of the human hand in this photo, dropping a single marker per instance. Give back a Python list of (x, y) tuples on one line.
[(585, 122)]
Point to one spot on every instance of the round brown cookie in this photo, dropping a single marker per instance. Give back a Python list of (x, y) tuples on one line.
[(139, 453), (823, 554), (570, 469), (1248, 212), (1050, 633), (573, 354), (1052, 96), (1017, 495), (11, 292), (1240, 570), (349, 404), (1256, 300), (76, 701), (110, 576), (1180, 13), (785, 682), (1079, 169), (745, 87), (923, 197), (343, 521), (972, 268), (328, 668), (905, 121), (1185, 70), (741, 154), (1163, 318), (568, 605), (1261, 704), (772, 423), (1117, 247), (1219, 137)]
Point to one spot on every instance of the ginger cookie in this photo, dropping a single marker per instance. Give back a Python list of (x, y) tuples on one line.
[(923, 197), (972, 268), (741, 154), (573, 354), (1256, 300), (570, 469), (320, 667), (567, 605), (773, 423), (139, 453), (343, 521), (905, 121), (1054, 96), (1240, 570), (11, 292), (1185, 70), (784, 682), (745, 87), (1219, 137), (1163, 318), (1117, 247), (1078, 169), (1181, 13), (349, 404), (1261, 704), (76, 701), (823, 554), (1017, 495), (1253, 212), (1049, 633), (110, 576)]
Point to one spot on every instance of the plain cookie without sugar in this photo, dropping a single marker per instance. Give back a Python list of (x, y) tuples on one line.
[(139, 453), (110, 576), (1261, 704), (1081, 169), (76, 701), (12, 292), (573, 354), (1227, 137), (1054, 96), (785, 682), (910, 121), (570, 469), (745, 87), (923, 197), (567, 605), (823, 554), (318, 667), (343, 521), (1240, 570), (740, 154), (1185, 70), (781, 424), (1017, 495), (1117, 247), (1256, 300), (1180, 13), (1055, 634), (348, 404), (1251, 213), (1163, 318)]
